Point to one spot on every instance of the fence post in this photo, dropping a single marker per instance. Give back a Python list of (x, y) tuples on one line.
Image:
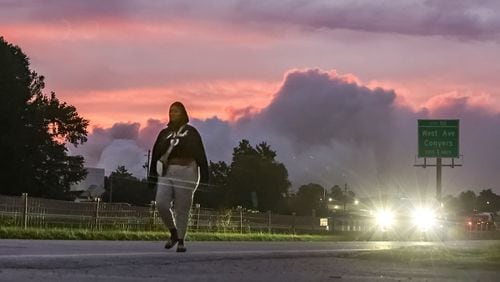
[(240, 209), (313, 213), (293, 222), (96, 223), (269, 221), (198, 216), (25, 210), (153, 215)]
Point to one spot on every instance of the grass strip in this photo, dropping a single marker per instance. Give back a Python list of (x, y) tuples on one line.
[(487, 257), (86, 234)]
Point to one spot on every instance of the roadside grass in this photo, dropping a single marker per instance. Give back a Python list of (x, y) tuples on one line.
[(87, 234), (487, 258)]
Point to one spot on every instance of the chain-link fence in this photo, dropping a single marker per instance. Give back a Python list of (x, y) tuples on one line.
[(26, 212)]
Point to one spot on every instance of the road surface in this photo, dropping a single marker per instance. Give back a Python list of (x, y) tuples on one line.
[(54, 260)]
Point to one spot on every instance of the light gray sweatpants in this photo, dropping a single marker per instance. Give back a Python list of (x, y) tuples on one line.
[(174, 196)]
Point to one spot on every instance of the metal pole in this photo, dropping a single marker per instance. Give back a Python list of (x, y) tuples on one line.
[(313, 213), (146, 165), (153, 215), (241, 220), (293, 222), (25, 210), (240, 209), (438, 180), (269, 222), (198, 216), (96, 223)]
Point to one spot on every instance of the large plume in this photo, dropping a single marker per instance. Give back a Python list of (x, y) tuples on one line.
[(330, 129)]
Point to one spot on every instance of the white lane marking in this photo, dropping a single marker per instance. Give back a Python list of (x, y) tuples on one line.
[(163, 253), (79, 255)]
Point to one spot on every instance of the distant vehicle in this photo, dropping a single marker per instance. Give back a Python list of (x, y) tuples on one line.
[(480, 222), (406, 219)]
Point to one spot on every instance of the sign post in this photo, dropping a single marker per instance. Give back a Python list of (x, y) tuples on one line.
[(438, 139)]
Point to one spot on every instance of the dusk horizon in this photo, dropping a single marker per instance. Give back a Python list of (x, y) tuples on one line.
[(335, 88)]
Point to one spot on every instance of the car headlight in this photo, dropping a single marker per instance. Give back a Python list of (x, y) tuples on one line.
[(384, 218), (424, 218)]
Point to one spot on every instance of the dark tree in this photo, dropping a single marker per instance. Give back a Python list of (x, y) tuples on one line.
[(487, 201), (214, 195), (35, 131), (121, 172), (122, 187), (467, 202), (337, 193), (309, 197), (256, 180)]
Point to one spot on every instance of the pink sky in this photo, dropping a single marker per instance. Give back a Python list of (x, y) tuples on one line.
[(126, 61)]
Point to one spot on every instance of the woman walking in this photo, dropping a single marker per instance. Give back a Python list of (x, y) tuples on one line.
[(178, 166)]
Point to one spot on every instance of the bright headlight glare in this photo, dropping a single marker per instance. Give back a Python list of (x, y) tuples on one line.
[(424, 218), (384, 218)]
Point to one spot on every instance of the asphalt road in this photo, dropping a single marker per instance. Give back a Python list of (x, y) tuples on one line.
[(40, 260)]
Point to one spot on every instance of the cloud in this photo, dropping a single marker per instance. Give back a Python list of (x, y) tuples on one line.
[(123, 152), (121, 144), (117, 62), (103, 108), (312, 99), (128, 144), (331, 129), (328, 129), (463, 19), (217, 137), (57, 9), (147, 134), (454, 102), (124, 131)]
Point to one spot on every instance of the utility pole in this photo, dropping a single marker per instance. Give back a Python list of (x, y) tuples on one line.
[(146, 165)]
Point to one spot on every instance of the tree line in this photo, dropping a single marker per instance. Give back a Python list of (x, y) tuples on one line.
[(469, 202), (254, 180)]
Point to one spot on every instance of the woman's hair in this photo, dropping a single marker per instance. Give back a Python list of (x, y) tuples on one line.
[(184, 118)]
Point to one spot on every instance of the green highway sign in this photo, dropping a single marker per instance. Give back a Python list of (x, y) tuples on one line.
[(438, 138)]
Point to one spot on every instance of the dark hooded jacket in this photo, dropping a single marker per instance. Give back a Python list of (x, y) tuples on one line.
[(189, 146)]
